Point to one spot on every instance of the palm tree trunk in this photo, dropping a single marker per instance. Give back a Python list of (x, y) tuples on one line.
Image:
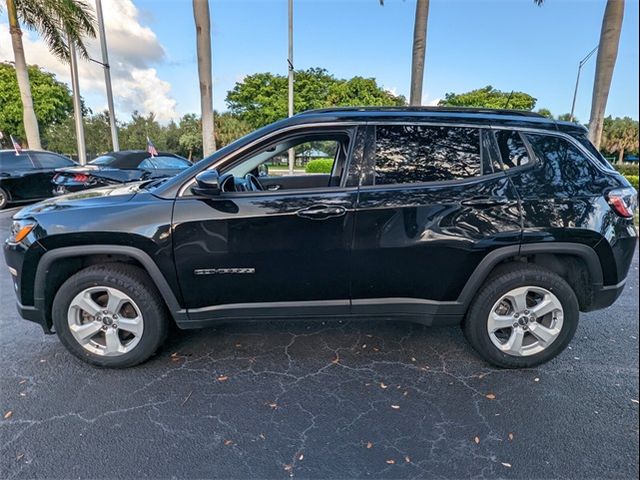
[(606, 61), (28, 113), (621, 156), (419, 49), (203, 47)]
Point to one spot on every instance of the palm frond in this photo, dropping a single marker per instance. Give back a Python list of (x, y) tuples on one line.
[(58, 22)]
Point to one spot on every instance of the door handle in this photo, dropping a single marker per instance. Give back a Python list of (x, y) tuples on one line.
[(273, 187), (321, 212), (483, 202)]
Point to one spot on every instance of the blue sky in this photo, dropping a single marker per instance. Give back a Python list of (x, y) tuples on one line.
[(510, 44)]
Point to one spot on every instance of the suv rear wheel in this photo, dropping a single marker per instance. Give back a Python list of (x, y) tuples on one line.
[(522, 317), (110, 316)]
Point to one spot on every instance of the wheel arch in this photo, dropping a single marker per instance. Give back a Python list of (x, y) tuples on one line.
[(56, 265), (577, 263)]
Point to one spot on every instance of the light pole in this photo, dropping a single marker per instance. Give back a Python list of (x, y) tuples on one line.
[(77, 106), (292, 156), (575, 92), (107, 77)]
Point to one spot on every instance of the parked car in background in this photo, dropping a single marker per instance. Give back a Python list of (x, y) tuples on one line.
[(118, 167), (27, 176), (506, 223)]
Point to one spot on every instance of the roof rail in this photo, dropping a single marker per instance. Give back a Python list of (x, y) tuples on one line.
[(488, 111)]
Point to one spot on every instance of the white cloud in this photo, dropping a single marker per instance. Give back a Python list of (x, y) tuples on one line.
[(133, 50)]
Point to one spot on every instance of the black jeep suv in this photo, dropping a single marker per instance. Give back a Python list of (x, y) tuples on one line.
[(505, 222)]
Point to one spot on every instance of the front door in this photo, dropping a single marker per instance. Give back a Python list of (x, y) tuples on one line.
[(250, 251)]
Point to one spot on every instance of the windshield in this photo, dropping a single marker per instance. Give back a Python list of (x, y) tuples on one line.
[(102, 160)]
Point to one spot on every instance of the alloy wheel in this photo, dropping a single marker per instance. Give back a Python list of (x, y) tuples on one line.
[(525, 321), (105, 321)]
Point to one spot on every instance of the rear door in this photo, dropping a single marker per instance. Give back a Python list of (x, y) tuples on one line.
[(433, 202), (45, 165), (19, 176)]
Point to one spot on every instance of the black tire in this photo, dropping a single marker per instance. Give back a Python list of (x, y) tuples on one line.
[(4, 198), (499, 283), (130, 280)]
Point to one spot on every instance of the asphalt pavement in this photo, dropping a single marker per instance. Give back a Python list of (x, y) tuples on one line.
[(321, 400)]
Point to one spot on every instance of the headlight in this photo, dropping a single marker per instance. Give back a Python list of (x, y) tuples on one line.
[(19, 231)]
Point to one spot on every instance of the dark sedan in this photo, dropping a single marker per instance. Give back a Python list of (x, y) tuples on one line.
[(118, 167), (26, 176)]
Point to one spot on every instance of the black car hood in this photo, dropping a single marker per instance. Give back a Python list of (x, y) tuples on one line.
[(109, 195)]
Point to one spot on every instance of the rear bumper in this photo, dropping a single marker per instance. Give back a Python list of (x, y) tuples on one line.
[(605, 295)]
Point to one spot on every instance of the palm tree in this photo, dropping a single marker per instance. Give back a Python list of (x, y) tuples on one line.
[(419, 50), (605, 63), (203, 47), (58, 22)]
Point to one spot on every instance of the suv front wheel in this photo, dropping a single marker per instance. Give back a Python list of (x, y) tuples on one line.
[(110, 316), (524, 316)]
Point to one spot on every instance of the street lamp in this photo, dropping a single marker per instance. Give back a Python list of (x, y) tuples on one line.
[(575, 92)]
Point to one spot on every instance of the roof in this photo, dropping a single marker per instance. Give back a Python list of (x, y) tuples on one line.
[(480, 116)]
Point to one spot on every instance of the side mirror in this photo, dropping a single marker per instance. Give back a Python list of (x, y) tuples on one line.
[(207, 183), (263, 170)]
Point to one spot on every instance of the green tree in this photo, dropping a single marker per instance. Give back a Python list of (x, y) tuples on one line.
[(133, 135), (229, 127), (190, 139), (620, 135), (52, 99), (58, 22), (545, 112), (261, 98), (60, 137), (489, 97)]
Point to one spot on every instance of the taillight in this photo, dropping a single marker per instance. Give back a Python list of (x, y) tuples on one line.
[(80, 177), (623, 201)]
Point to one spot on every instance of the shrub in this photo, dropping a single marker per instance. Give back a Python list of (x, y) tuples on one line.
[(322, 165), (628, 169), (633, 180)]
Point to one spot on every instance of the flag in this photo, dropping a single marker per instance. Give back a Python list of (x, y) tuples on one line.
[(16, 145), (151, 148)]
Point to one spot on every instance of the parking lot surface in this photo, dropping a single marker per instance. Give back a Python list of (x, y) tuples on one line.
[(321, 400)]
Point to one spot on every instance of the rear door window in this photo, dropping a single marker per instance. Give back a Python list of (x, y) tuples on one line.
[(512, 149), (49, 160), (415, 153)]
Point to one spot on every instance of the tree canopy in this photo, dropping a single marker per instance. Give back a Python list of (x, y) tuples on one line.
[(261, 98), (489, 97), (52, 99)]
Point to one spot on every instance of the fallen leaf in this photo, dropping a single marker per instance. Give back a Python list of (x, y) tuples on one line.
[(288, 468), (476, 439), (391, 462), (301, 456), (19, 456), (8, 414), (174, 354), (262, 436), (490, 396), (382, 385), (395, 407), (405, 393), (228, 442), (407, 459), (22, 381), (413, 359), (336, 360), (273, 405), (369, 445), (508, 465), (376, 349), (23, 394), (43, 360), (223, 378), (536, 379), (510, 436), (634, 400), (238, 345)]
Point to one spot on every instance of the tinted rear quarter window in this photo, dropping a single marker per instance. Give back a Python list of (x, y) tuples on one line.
[(11, 161), (168, 163), (565, 166), (414, 154)]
